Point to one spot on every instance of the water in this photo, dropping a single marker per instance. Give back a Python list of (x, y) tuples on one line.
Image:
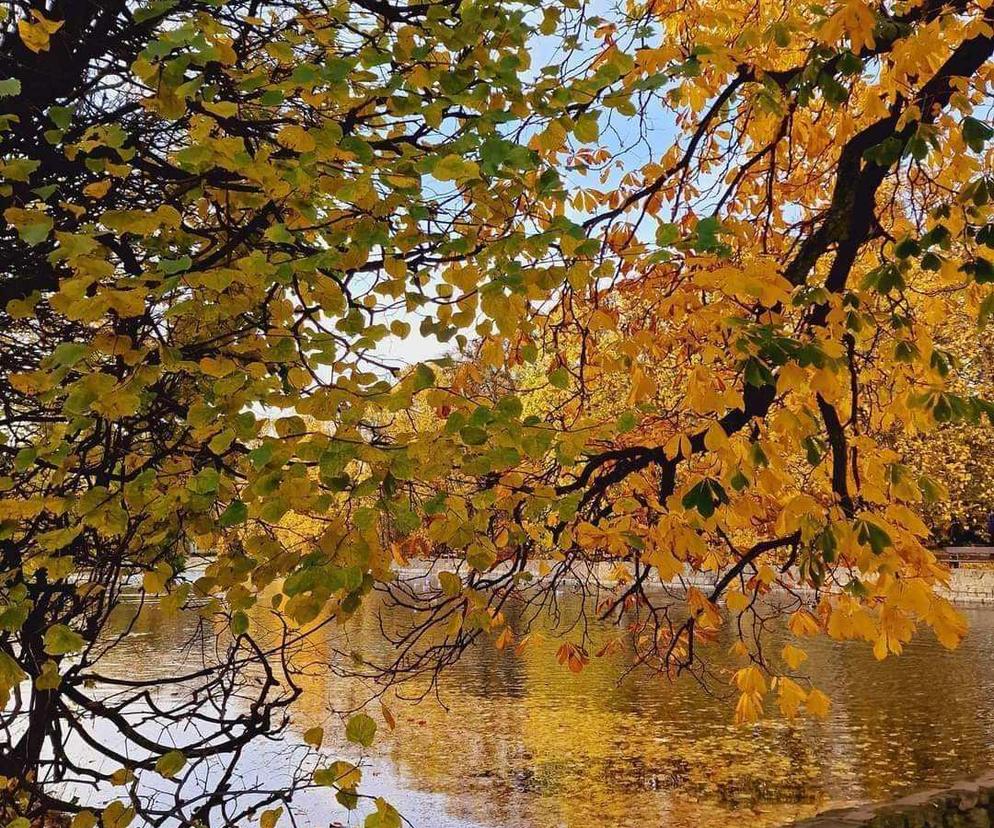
[(517, 741)]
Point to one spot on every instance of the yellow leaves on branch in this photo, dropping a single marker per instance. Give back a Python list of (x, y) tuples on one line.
[(142, 222), (853, 20), (750, 680), (790, 696), (571, 310), (752, 687), (572, 656), (705, 613), (749, 708)]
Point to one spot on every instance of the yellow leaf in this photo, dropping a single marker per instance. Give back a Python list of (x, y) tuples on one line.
[(802, 623), (793, 656), (789, 696), (737, 601), (677, 445), (642, 386), (818, 703), (749, 708), (715, 437), (156, 580), (296, 138), (550, 139), (505, 639), (388, 716), (117, 815), (36, 35), (270, 818), (455, 168), (750, 680), (223, 109), (661, 556), (84, 819), (98, 189), (450, 583)]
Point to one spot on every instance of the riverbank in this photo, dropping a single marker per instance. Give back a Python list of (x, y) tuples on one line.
[(966, 804), (966, 585), (970, 586)]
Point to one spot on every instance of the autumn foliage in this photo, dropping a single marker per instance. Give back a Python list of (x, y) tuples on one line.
[(702, 278)]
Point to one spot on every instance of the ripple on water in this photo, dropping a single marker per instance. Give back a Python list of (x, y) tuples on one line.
[(524, 743)]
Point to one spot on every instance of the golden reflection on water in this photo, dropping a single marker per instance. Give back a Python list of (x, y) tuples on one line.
[(523, 743)]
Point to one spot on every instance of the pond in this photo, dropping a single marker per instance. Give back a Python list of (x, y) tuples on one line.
[(517, 741)]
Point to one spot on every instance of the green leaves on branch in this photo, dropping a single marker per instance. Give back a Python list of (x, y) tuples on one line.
[(975, 133), (705, 497)]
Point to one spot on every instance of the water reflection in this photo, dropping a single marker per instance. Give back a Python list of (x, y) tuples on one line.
[(523, 743)]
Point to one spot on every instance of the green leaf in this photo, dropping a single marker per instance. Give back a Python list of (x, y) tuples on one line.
[(239, 623), (587, 128), (33, 226), (360, 729), (667, 234), (61, 116), (739, 481), (705, 497), (171, 266), (707, 231), (981, 269), (235, 514), (385, 816), (10, 87), (169, 764), (424, 377), (69, 353), (60, 640), (757, 374), (906, 247), (886, 153), (976, 133), (11, 674), (626, 422), (874, 536), (473, 435)]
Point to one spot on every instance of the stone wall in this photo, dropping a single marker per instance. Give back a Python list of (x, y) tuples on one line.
[(971, 586), (966, 585), (967, 804)]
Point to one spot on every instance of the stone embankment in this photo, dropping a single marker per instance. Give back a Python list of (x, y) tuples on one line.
[(968, 804), (971, 586), (967, 585)]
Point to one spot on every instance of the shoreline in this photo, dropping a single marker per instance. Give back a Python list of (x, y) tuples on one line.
[(970, 587), (968, 803)]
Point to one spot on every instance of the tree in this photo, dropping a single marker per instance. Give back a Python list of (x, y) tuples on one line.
[(683, 350)]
